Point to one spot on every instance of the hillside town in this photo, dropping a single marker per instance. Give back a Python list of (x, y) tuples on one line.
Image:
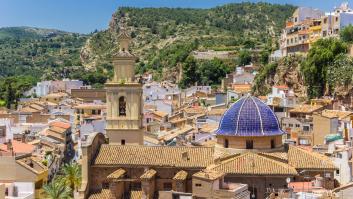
[(141, 138)]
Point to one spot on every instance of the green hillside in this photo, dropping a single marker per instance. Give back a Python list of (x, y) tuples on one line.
[(165, 37), (37, 52), (28, 33)]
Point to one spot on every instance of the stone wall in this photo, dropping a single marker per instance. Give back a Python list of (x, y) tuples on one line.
[(258, 142)]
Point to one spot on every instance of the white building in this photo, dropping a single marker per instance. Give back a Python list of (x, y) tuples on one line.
[(18, 190), (66, 85), (341, 155), (281, 96)]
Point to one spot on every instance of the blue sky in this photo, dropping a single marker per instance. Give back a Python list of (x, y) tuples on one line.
[(85, 16)]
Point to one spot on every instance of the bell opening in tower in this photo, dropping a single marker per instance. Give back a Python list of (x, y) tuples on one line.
[(122, 106)]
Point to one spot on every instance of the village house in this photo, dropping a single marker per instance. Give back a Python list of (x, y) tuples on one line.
[(88, 95), (23, 174)]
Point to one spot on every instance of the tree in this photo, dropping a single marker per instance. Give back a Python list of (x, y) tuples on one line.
[(57, 189), (322, 55), (244, 57), (341, 72), (72, 175), (9, 94), (212, 72), (347, 34), (190, 75)]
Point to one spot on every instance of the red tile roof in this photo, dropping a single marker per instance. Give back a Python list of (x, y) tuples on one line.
[(281, 86), (60, 125), (18, 147), (301, 186)]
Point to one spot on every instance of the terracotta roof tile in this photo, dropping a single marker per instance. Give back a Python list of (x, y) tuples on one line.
[(90, 106), (57, 129), (281, 86), (116, 174), (241, 88), (219, 111), (134, 195), (302, 159), (195, 110), (194, 157), (276, 156), (209, 174), (305, 108), (18, 147), (160, 113), (149, 174), (253, 164), (336, 113), (102, 194), (63, 125), (181, 175), (175, 133), (209, 128)]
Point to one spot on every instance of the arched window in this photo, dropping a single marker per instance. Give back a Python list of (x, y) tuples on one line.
[(122, 106)]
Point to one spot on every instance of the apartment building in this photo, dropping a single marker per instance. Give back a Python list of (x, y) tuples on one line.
[(307, 25)]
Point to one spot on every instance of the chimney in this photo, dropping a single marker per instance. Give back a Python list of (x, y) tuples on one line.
[(10, 147), (23, 139)]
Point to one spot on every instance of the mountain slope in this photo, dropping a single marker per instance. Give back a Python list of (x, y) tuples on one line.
[(164, 37), (37, 52), (28, 33)]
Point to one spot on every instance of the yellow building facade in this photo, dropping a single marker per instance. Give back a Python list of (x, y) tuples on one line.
[(124, 98)]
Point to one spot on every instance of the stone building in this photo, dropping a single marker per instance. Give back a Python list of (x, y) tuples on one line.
[(124, 98), (113, 170)]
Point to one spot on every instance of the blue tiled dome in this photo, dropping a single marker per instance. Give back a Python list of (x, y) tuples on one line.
[(249, 117)]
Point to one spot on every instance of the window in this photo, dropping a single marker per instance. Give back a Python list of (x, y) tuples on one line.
[(198, 185), (122, 142), (297, 125), (226, 143), (93, 112), (290, 125), (273, 145), (99, 112), (249, 144), (306, 128), (167, 186), (122, 106), (337, 172)]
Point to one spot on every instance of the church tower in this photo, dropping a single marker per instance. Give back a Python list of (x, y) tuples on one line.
[(124, 98)]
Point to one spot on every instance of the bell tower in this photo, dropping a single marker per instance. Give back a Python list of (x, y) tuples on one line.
[(124, 97)]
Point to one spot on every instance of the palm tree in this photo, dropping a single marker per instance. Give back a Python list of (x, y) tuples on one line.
[(57, 189), (72, 175)]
